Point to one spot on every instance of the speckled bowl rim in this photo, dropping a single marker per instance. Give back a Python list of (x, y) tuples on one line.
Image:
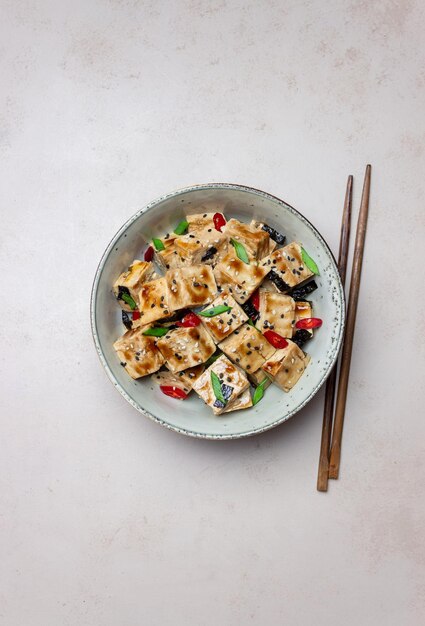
[(155, 418)]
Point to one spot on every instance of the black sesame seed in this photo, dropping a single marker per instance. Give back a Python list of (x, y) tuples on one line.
[(152, 305), (249, 352), (123, 364), (248, 367), (192, 236), (167, 266), (206, 286), (174, 281), (204, 215), (282, 316), (248, 344)]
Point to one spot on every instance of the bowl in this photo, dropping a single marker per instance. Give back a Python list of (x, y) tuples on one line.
[(192, 417)]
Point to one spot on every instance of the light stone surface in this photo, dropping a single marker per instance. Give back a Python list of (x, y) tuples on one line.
[(106, 518)]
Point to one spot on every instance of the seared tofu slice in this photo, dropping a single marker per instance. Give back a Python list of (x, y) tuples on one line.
[(288, 265), (255, 378), (190, 286), (244, 401), (153, 301), (277, 312), (286, 366), (256, 241), (182, 380), (241, 279), (205, 246), (272, 243), (200, 221), (247, 348), (170, 257), (138, 354), (186, 347), (303, 310), (131, 281), (222, 325), (233, 383)]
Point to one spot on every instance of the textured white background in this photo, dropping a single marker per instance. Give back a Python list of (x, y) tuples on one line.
[(106, 518)]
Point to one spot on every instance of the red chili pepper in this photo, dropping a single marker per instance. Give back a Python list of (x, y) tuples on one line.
[(275, 339), (173, 392), (255, 299), (136, 315), (309, 322), (190, 320), (149, 254), (219, 221)]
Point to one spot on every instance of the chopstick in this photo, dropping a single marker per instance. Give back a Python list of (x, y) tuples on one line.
[(323, 470), (335, 455)]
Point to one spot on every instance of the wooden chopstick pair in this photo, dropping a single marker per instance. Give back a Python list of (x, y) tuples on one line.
[(330, 447)]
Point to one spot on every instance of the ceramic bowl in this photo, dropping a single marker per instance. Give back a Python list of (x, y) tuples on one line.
[(192, 416)]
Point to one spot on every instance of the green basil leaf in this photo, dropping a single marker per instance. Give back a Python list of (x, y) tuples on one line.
[(259, 392), (156, 332), (158, 244), (216, 385), (309, 262), (241, 253), (129, 300), (181, 228), (215, 311)]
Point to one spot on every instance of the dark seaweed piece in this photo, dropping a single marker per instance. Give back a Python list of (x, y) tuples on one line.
[(278, 281), (301, 336), (274, 234), (299, 293), (209, 254), (121, 291), (126, 320), (227, 391), (250, 310)]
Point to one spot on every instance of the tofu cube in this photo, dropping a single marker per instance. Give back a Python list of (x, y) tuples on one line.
[(240, 278), (243, 401), (131, 281), (153, 301), (286, 366), (190, 286), (247, 348), (186, 347), (272, 243), (222, 325), (200, 221), (233, 384), (205, 246), (277, 312), (303, 310), (138, 354), (288, 265), (255, 241), (169, 258), (182, 380)]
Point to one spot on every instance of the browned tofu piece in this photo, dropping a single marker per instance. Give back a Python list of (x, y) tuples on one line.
[(255, 378), (240, 278), (277, 312), (200, 221), (303, 310), (138, 354), (243, 401), (233, 383), (255, 241), (286, 366), (272, 243), (190, 286), (288, 264), (247, 347), (205, 246), (169, 258), (131, 281), (182, 380), (153, 301), (186, 347), (222, 325)]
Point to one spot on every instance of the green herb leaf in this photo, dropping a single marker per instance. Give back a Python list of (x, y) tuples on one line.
[(216, 385), (156, 332), (309, 262), (259, 392), (129, 300), (213, 358), (241, 253), (215, 311), (158, 244), (251, 323), (181, 228)]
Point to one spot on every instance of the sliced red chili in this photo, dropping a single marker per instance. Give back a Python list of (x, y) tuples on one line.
[(149, 254), (255, 299), (136, 315), (219, 221), (173, 392), (309, 323), (190, 320), (275, 339)]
